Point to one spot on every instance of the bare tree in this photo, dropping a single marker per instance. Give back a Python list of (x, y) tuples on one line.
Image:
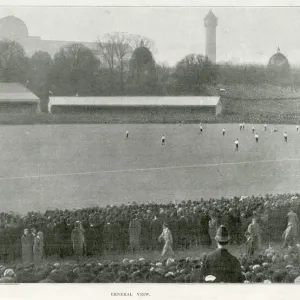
[(115, 46), (136, 40), (123, 50), (115, 49), (106, 50)]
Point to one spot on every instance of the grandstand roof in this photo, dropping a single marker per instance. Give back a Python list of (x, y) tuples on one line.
[(135, 101), (16, 92)]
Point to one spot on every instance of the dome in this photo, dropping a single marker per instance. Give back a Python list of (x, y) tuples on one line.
[(142, 55), (13, 28), (278, 59)]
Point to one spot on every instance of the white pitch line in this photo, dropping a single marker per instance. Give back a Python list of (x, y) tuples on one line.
[(150, 169)]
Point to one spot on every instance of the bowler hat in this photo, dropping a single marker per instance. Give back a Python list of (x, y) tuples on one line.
[(222, 234)]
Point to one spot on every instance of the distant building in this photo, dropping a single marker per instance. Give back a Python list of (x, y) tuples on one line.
[(142, 74), (142, 64), (210, 23), (15, 29), (278, 60), (16, 99), (137, 109), (279, 69)]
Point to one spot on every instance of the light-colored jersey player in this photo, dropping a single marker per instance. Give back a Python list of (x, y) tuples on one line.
[(236, 144)]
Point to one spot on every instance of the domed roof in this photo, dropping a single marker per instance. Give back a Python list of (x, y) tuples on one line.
[(12, 27), (142, 55), (278, 59)]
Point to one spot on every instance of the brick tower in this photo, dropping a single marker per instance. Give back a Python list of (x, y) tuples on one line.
[(210, 23)]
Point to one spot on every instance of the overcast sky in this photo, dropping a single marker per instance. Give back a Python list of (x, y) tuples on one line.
[(243, 34)]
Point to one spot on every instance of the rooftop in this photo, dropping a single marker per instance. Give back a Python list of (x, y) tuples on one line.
[(135, 101), (16, 92), (210, 16), (278, 59)]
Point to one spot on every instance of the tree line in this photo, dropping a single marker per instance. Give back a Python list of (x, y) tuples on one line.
[(123, 64)]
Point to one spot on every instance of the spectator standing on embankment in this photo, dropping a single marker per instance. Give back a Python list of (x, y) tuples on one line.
[(220, 263), (38, 248), (27, 247), (166, 237), (134, 234), (290, 235), (78, 240), (254, 231)]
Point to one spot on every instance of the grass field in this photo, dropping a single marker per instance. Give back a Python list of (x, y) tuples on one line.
[(71, 166)]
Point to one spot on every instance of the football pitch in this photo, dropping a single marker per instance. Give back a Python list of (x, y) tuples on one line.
[(72, 166)]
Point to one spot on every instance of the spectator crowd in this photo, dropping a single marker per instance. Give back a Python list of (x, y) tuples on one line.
[(270, 266), (132, 229)]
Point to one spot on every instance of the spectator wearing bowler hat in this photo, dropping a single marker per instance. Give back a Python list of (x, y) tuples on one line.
[(78, 240), (220, 263)]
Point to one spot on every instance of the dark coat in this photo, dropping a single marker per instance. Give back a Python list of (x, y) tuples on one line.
[(108, 236), (204, 223), (204, 230), (182, 229), (27, 248), (4, 241), (155, 229), (224, 266), (145, 232)]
